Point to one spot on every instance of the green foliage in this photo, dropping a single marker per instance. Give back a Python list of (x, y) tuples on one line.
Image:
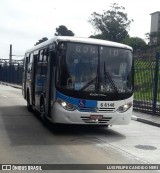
[(41, 40), (135, 42), (63, 31), (112, 24)]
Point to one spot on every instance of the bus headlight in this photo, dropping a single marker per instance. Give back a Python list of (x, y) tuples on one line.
[(124, 108), (66, 105)]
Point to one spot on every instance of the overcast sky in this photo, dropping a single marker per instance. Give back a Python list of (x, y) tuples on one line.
[(24, 22)]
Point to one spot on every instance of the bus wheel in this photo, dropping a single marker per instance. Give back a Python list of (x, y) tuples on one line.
[(43, 114), (29, 106)]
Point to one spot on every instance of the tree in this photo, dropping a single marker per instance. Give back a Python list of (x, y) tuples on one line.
[(41, 40), (112, 24), (63, 31), (135, 42)]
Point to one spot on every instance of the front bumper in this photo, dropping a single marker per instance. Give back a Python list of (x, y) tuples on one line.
[(60, 115)]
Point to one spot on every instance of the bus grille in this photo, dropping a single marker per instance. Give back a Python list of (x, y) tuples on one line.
[(104, 120), (106, 110), (90, 109), (87, 109)]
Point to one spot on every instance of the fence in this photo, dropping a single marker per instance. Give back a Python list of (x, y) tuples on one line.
[(147, 83), (11, 72)]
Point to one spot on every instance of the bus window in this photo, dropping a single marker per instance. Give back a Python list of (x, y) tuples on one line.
[(45, 56), (44, 69), (40, 56), (29, 65), (38, 69), (31, 58), (29, 68), (44, 63)]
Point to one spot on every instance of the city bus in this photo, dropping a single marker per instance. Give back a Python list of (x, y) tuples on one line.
[(73, 80)]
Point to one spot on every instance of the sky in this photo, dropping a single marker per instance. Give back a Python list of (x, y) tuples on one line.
[(24, 22)]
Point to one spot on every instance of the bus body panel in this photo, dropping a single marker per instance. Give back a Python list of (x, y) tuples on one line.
[(60, 115), (81, 116)]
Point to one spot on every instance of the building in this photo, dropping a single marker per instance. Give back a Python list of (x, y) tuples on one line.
[(155, 27)]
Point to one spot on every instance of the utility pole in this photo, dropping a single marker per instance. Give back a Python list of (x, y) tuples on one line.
[(10, 53)]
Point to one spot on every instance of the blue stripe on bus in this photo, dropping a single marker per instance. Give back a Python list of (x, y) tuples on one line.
[(75, 101)]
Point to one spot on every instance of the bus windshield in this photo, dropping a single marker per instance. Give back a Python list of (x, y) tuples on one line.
[(94, 68)]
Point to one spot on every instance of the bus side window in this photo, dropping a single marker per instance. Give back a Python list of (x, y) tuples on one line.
[(30, 61), (44, 63), (45, 55), (29, 68), (27, 59), (31, 58), (44, 69), (39, 63), (38, 68), (25, 63), (40, 56)]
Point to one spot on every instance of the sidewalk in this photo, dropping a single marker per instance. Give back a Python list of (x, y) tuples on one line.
[(146, 118), (10, 84)]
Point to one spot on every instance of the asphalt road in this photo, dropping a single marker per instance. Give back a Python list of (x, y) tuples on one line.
[(24, 140)]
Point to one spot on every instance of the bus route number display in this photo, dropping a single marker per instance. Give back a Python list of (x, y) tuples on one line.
[(86, 49)]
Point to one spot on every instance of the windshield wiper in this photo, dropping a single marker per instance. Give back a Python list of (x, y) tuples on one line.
[(107, 76), (96, 79), (89, 83)]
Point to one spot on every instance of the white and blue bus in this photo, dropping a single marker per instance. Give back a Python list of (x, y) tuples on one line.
[(79, 81)]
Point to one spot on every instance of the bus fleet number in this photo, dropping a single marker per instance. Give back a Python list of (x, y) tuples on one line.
[(107, 105)]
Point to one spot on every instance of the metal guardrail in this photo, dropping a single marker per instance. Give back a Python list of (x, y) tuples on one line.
[(146, 107)]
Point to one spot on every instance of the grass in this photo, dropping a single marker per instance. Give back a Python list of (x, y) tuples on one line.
[(144, 80)]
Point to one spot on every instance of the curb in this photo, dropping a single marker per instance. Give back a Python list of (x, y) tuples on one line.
[(12, 85), (146, 121)]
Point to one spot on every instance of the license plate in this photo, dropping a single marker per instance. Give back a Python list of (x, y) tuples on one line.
[(96, 117)]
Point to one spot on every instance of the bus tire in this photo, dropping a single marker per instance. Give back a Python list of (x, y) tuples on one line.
[(29, 106), (43, 114)]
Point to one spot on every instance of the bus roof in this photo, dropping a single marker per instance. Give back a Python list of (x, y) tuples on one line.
[(80, 40)]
